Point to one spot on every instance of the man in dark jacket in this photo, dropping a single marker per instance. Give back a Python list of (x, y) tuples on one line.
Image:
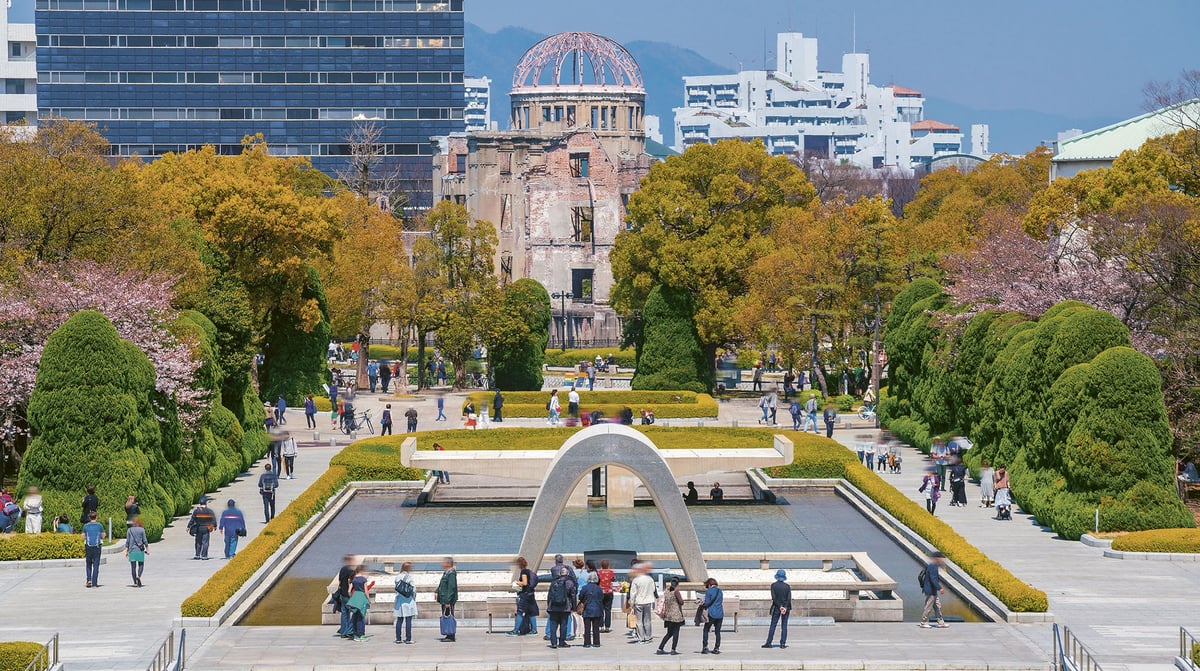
[(201, 524), (447, 593), (232, 525), (560, 603), (91, 504), (498, 407), (268, 482), (781, 608), (931, 586), (342, 595)]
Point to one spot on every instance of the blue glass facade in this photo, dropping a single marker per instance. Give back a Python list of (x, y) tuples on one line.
[(169, 75)]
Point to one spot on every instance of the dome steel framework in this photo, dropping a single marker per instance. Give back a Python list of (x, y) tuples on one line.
[(571, 57)]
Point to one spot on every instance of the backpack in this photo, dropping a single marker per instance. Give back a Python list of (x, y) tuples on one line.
[(922, 577), (12, 510), (811, 406), (533, 580), (405, 589), (559, 599)]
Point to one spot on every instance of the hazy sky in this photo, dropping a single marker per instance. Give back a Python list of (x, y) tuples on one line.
[(1071, 57)]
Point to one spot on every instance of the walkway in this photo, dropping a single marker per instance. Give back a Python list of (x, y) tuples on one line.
[(1128, 613), (117, 626)]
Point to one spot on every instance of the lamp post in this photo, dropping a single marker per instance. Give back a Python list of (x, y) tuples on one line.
[(563, 296), (872, 321)]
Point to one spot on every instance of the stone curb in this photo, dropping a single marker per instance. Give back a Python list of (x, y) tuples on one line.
[(1153, 556), (1091, 541)]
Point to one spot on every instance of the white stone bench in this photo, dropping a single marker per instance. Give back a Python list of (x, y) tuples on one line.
[(504, 607)]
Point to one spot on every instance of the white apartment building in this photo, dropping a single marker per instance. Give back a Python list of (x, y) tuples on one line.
[(798, 109), (18, 72), (478, 112)]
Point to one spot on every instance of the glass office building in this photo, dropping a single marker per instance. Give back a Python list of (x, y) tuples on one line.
[(158, 76)]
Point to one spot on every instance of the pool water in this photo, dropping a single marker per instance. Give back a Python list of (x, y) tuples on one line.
[(391, 525)]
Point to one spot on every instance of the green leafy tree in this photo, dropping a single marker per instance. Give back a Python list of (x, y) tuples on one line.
[(672, 357), (517, 335), (293, 354)]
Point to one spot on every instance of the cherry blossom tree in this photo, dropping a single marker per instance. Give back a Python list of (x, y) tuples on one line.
[(40, 299)]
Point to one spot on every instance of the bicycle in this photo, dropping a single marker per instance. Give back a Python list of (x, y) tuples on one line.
[(363, 419)]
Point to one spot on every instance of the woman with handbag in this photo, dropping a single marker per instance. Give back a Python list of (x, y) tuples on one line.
[(714, 608), (672, 616), (527, 607), (405, 608), (136, 549)]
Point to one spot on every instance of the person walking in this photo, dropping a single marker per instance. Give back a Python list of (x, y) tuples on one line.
[(32, 505), (268, 482), (773, 407), (373, 375), (91, 504), (447, 596), (527, 608), (441, 407), (591, 599), (714, 607), (987, 485), (606, 576), (405, 607), (591, 373), (281, 410), (93, 541), (342, 596), (931, 587), (359, 603), (275, 451), (498, 406), (929, 487), (830, 417), (940, 453), (137, 546), (764, 406), (410, 416), (810, 408), (232, 526), (385, 422), (560, 603), (641, 598), (795, 411), (958, 483), (757, 376), (385, 377), (781, 608), (288, 451), (672, 616), (552, 408), (310, 412), (200, 526)]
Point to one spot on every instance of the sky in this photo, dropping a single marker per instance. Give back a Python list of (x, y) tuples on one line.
[(1068, 57)]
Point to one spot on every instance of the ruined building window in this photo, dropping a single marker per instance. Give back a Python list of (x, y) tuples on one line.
[(506, 163), (506, 263), (595, 117), (460, 199), (570, 115), (581, 223), (581, 284), (458, 164), (506, 213), (579, 165)]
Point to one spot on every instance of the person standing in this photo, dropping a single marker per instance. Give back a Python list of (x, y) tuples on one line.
[(201, 524), (310, 412), (691, 496), (498, 406), (137, 546), (758, 376), (789, 381), (573, 404), (441, 373), (411, 416), (560, 602), (91, 504), (781, 608), (268, 482), (672, 616), (405, 608), (929, 487), (940, 453), (830, 417), (987, 485), (552, 409), (32, 505), (359, 603), (281, 410), (93, 540), (714, 606), (606, 577), (773, 407), (591, 373), (642, 597), (591, 597), (527, 609), (385, 377), (931, 587), (958, 483), (373, 375), (232, 526), (342, 596), (810, 407), (275, 451), (447, 596), (288, 451), (385, 423)]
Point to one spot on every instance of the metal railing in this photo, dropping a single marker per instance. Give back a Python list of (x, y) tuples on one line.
[(1189, 648), (47, 657), (169, 657), (1070, 654)]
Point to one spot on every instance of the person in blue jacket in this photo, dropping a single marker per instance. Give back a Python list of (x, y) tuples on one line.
[(592, 598), (931, 586), (714, 606), (233, 526)]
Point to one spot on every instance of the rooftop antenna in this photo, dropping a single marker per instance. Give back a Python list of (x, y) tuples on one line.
[(854, 33)]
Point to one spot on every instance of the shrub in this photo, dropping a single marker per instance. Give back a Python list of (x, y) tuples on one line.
[(374, 459), (37, 547), (1184, 541), (16, 655), (323, 403), (515, 357), (625, 358), (912, 432), (666, 404), (671, 355), (845, 402), (294, 353)]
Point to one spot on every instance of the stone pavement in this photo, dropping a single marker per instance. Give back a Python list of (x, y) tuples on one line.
[(1127, 612), (841, 646), (118, 626)]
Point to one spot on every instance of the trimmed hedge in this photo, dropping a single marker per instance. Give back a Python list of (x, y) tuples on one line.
[(817, 457), (666, 438), (37, 547), (294, 354), (323, 403), (626, 358), (672, 356), (1159, 540), (16, 655), (517, 346), (665, 404)]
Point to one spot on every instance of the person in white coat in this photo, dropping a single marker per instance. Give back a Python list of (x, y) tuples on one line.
[(33, 511), (405, 608)]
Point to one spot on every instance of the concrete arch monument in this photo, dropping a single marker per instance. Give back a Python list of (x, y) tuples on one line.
[(612, 445)]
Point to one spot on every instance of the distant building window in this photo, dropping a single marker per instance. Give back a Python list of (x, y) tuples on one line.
[(459, 164), (579, 165), (460, 199), (581, 224), (15, 49), (581, 284), (505, 163)]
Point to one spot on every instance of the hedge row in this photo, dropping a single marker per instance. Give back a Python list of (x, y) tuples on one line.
[(817, 457), (666, 405), (387, 448), (625, 358), (630, 398), (16, 655), (1159, 540), (37, 547)]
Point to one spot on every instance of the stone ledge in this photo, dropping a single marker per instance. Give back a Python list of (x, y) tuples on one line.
[(46, 563), (1153, 556), (1091, 541)]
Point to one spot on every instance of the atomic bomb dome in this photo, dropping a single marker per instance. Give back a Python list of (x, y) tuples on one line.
[(577, 59)]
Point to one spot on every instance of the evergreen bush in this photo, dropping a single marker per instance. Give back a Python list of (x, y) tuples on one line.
[(671, 357), (518, 366), (293, 353)]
